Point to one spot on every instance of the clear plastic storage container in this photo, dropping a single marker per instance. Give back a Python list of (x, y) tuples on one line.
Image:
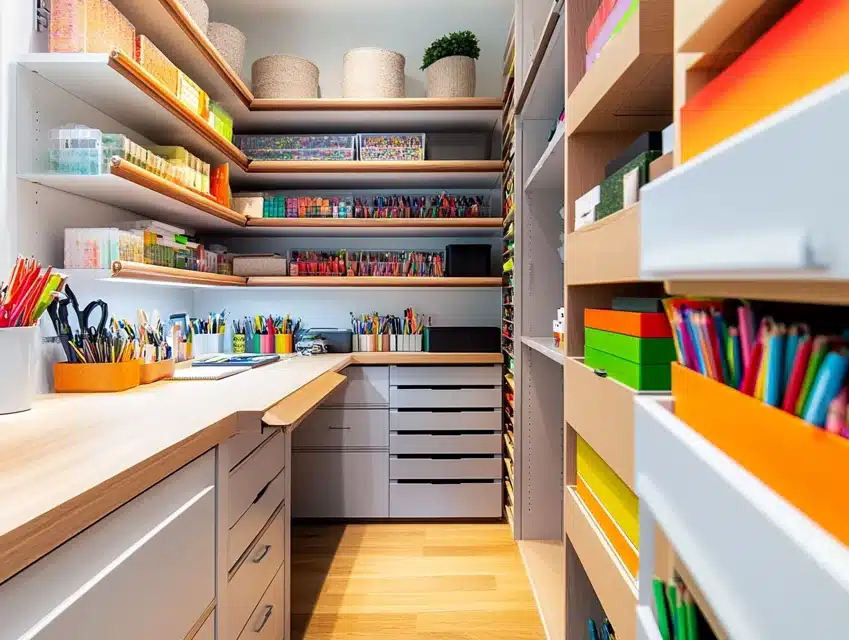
[(89, 26), (299, 147), (76, 149), (392, 146)]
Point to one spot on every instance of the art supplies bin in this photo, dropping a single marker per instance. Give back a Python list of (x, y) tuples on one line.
[(17, 368), (284, 343), (96, 378), (802, 463), (468, 260), (153, 371), (206, 343)]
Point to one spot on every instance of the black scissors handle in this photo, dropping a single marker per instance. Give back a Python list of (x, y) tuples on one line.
[(85, 318)]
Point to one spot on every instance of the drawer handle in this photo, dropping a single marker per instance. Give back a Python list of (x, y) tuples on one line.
[(262, 492), (340, 428), (266, 614), (258, 558)]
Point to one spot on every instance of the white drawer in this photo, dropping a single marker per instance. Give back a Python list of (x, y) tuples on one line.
[(423, 443), (401, 397), (255, 518), (207, 630), (255, 574), (452, 420), (430, 376), (366, 386), (248, 479), (145, 571), (444, 468), (445, 500), (241, 445), (266, 621), (340, 484), (343, 428)]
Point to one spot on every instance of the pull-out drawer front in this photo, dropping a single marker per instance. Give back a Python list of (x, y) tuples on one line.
[(423, 443), (445, 500), (430, 376), (366, 386), (413, 398), (453, 420), (158, 549), (343, 428), (266, 621), (254, 575), (241, 445), (251, 523), (403, 468), (340, 484), (248, 479)]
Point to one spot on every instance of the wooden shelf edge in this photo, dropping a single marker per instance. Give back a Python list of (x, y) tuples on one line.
[(539, 55), (709, 27), (291, 411), (615, 588), (807, 291), (385, 104), (607, 251), (132, 173), (376, 223), (371, 166), (140, 78), (370, 281), (139, 271)]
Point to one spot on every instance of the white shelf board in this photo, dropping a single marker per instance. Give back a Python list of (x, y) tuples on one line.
[(546, 95), (545, 565), (111, 189), (546, 347), (549, 172), (89, 77), (731, 531), (105, 275), (646, 625)]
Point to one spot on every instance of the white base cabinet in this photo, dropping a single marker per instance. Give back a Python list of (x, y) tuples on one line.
[(340, 484)]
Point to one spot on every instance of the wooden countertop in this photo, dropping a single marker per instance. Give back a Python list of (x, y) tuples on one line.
[(72, 459)]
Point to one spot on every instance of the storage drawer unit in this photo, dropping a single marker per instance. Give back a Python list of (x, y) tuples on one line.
[(366, 386), (334, 484), (422, 443), (424, 468), (254, 519), (252, 577), (459, 398), (406, 376), (241, 445), (253, 474), (445, 499), (266, 621), (343, 428), (145, 571), (445, 420)]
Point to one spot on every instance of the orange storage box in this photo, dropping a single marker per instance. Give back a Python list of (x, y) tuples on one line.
[(153, 371), (803, 464), (641, 325), (805, 50), (96, 378)]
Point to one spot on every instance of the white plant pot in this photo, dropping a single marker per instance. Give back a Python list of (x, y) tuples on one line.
[(451, 77)]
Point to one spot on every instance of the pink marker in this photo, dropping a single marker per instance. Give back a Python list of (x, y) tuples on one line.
[(835, 421)]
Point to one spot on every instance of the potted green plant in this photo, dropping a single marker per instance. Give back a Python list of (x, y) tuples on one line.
[(450, 64)]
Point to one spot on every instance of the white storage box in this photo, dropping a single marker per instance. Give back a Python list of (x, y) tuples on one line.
[(263, 264)]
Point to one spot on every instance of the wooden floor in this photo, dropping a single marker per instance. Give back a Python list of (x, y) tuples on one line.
[(410, 581)]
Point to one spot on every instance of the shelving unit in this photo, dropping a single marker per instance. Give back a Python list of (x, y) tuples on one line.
[(371, 281), (122, 270), (427, 227)]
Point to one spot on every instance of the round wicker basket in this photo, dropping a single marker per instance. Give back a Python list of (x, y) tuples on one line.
[(284, 77), (373, 73), (230, 43), (199, 11), (451, 77)]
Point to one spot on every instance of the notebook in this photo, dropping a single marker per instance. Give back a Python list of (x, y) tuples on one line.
[(207, 373)]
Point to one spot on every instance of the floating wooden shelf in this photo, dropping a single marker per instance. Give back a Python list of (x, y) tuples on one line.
[(606, 251), (132, 188), (615, 588), (375, 226), (151, 273), (629, 86), (807, 291), (370, 281)]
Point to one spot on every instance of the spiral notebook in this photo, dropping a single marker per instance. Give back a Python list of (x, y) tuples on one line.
[(207, 373)]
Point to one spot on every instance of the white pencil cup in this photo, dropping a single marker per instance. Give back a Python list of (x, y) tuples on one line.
[(17, 368), (204, 344)]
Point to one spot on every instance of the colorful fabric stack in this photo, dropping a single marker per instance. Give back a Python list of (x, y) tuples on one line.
[(634, 348)]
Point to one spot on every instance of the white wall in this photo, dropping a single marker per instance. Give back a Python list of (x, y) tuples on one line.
[(323, 30)]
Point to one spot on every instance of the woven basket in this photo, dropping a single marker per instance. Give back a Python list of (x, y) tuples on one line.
[(199, 11), (373, 73), (230, 43), (451, 77), (284, 77)]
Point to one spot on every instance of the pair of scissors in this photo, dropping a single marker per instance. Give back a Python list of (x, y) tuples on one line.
[(84, 316)]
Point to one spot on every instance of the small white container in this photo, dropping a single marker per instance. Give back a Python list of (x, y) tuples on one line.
[(204, 344), (17, 368), (284, 77), (230, 43), (199, 11), (373, 73)]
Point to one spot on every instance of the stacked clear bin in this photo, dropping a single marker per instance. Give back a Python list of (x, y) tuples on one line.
[(89, 26), (392, 146), (299, 147)]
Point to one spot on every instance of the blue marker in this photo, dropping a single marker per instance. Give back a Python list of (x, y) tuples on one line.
[(827, 384)]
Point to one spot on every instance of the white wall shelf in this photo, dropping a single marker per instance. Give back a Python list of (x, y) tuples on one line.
[(549, 171), (546, 347)]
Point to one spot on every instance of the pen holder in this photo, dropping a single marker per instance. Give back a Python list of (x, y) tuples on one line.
[(266, 343), (153, 371), (206, 343), (384, 342), (370, 342), (283, 343), (239, 343), (17, 368), (393, 342), (255, 343), (96, 378)]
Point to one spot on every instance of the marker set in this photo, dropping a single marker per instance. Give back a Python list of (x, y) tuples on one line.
[(367, 263)]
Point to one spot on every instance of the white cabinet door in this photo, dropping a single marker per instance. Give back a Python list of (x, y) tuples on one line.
[(343, 428), (340, 484), (365, 386)]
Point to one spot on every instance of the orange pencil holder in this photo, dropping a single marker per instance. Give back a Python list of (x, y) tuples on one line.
[(153, 371), (802, 463), (96, 378), (284, 343)]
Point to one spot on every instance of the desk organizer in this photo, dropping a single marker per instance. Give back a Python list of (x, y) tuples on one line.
[(394, 146), (153, 371), (18, 368), (206, 343), (803, 464), (96, 378), (284, 343)]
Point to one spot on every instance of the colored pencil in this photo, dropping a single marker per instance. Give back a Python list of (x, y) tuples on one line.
[(752, 371), (820, 348), (797, 375)]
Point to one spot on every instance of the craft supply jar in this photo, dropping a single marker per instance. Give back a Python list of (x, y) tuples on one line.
[(373, 73), (17, 368), (230, 43), (199, 12), (284, 77), (239, 343), (204, 344)]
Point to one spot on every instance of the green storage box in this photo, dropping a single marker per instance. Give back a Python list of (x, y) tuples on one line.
[(646, 377), (632, 348), (612, 191)]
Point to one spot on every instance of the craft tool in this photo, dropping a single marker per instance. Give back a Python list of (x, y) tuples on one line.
[(791, 345), (828, 381), (797, 374), (774, 370), (747, 333), (820, 348)]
